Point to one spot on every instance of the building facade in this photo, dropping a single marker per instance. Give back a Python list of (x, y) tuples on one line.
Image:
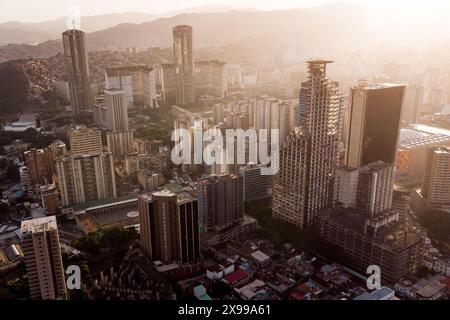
[(310, 154), (374, 120), (85, 178), (169, 227), (184, 63), (138, 83), (41, 247), (77, 66)]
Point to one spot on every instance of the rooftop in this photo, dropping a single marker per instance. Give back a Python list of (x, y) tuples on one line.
[(39, 225)]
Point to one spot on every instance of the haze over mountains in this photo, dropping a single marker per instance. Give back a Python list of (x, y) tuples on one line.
[(324, 29), (14, 32)]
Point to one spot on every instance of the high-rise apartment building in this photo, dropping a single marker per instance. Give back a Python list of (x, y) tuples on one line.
[(58, 148), (256, 185), (169, 227), (84, 140), (184, 63), (310, 153), (77, 66), (274, 114), (368, 189), (374, 123), (45, 273), (120, 143), (86, 177), (40, 165), (138, 83), (211, 78), (375, 188), (221, 202), (436, 185), (116, 110), (50, 199)]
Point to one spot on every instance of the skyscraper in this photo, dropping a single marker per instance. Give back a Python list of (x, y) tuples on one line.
[(184, 63), (86, 177), (169, 226), (221, 201), (309, 155), (116, 110), (40, 243), (77, 67), (40, 165), (374, 123), (436, 185)]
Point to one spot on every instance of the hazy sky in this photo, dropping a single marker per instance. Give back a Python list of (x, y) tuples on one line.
[(41, 10)]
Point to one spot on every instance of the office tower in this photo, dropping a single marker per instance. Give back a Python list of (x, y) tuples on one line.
[(256, 186), (86, 177), (120, 143), (138, 83), (184, 63), (211, 78), (309, 155), (77, 66), (169, 227), (50, 199), (221, 202), (40, 165), (374, 125), (436, 185), (116, 110), (45, 272), (84, 140)]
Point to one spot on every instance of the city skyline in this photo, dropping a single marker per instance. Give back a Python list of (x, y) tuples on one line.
[(151, 162)]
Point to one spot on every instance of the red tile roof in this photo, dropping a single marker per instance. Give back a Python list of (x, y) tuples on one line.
[(236, 276)]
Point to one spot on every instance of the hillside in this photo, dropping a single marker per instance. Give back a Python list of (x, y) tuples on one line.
[(318, 27)]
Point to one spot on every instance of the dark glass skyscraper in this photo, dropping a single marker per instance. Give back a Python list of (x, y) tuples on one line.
[(184, 63), (169, 224), (77, 66), (374, 123)]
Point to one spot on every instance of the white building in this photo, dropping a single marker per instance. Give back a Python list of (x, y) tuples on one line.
[(138, 83)]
